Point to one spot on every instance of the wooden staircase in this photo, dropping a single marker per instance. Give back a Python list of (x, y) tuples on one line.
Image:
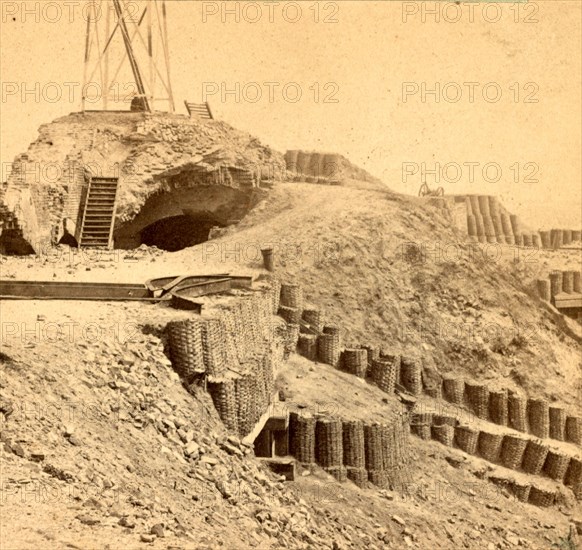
[(98, 214), (200, 110)]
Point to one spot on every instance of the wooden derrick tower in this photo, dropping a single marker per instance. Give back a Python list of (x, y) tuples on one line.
[(127, 58)]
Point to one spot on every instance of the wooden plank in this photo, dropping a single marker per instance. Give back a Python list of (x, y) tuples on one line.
[(564, 300)]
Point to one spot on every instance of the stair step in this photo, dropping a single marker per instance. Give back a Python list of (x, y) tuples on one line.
[(98, 215)]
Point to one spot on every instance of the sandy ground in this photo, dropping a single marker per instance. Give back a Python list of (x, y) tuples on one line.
[(342, 244)]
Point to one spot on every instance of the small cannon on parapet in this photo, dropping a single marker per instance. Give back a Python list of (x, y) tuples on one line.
[(426, 192)]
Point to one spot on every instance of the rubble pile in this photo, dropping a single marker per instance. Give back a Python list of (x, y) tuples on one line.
[(174, 471), (146, 151)]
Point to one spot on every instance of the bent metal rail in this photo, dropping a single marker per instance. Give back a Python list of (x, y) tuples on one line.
[(182, 287)]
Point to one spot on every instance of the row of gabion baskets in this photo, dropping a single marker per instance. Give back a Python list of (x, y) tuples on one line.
[(505, 408), (318, 341), (233, 349), (512, 451), (214, 345), (350, 448), (526, 492), (240, 401), (323, 343)]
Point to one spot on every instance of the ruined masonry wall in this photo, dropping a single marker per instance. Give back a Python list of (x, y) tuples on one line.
[(146, 151)]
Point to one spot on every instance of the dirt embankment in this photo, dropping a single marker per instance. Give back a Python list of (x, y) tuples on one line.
[(143, 452)]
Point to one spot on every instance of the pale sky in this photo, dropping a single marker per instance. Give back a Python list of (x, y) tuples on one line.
[(364, 57)]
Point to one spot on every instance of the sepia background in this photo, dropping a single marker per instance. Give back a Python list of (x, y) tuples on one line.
[(365, 52)]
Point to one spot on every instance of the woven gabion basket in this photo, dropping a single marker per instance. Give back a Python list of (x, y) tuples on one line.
[(444, 420), (328, 442), (517, 418), (380, 478), (390, 447), (359, 476), (556, 279), (384, 373), (420, 425), (332, 329), (214, 347), (498, 412), (545, 239), (291, 339), (411, 375), (355, 361), (541, 497), (573, 478), (512, 450), (339, 472), (292, 315), (444, 434), (224, 398), (240, 336), (353, 444), (328, 349), (466, 439), (574, 429), (245, 390), (454, 390), (230, 340), (373, 352), (534, 457), (568, 282), (314, 318), (268, 374), (250, 322), (557, 423), (275, 295), (307, 346), (489, 446), (556, 465), (521, 490), (478, 398), (302, 437), (435, 392), (373, 447), (186, 349), (292, 295), (538, 415)]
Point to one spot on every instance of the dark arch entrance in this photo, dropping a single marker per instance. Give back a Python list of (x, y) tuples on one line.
[(13, 243), (177, 232)]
